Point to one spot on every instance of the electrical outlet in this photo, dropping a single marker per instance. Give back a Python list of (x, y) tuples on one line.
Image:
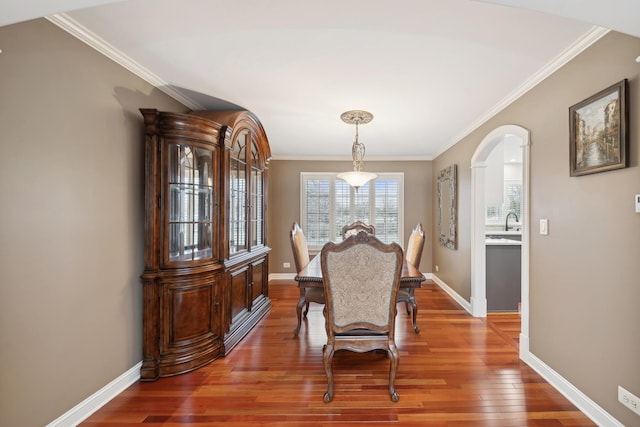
[(286, 265), (629, 400), (437, 268)]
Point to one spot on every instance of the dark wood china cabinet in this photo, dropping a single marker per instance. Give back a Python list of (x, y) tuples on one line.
[(206, 254)]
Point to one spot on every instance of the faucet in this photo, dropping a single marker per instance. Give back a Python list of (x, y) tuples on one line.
[(506, 221)]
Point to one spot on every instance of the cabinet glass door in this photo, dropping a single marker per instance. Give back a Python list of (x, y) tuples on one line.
[(190, 219), (238, 195), (257, 200)]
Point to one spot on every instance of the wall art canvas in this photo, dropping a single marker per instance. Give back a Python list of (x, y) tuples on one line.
[(598, 131)]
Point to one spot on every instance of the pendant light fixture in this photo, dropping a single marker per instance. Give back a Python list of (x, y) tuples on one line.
[(357, 177)]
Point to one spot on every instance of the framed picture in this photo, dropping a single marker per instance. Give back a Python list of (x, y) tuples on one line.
[(598, 138), (447, 207)]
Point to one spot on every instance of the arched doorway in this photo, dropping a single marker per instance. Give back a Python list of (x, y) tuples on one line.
[(478, 205)]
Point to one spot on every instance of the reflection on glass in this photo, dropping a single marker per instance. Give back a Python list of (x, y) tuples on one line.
[(190, 187)]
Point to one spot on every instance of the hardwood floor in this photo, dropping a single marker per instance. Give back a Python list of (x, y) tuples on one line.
[(507, 325), (459, 371)]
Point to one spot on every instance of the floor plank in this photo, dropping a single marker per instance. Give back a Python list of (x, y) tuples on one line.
[(458, 371)]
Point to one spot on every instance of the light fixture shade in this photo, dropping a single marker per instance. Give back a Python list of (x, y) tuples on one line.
[(357, 179)]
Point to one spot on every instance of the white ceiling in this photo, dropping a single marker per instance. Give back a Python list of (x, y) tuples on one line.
[(430, 71)]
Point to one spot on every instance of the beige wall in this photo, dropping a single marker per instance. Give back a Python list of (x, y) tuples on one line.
[(284, 202), (71, 229), (72, 216), (454, 265), (584, 287)]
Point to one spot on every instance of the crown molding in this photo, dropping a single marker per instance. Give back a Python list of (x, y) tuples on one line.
[(589, 38), (83, 34)]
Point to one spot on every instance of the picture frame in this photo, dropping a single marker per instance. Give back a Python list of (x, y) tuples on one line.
[(448, 207), (598, 136)]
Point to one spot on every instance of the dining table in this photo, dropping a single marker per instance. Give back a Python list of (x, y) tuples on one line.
[(311, 277)]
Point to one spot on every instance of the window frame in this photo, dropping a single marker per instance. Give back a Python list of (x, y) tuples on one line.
[(331, 177)]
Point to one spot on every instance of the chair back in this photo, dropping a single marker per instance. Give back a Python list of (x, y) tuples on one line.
[(361, 277), (356, 227), (413, 254), (299, 247)]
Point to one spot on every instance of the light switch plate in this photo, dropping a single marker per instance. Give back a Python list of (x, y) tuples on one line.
[(544, 227), (637, 198)]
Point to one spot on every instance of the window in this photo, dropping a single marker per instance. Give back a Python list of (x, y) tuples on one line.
[(512, 203), (329, 203)]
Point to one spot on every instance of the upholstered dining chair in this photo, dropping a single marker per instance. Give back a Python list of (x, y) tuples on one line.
[(361, 276), (356, 227), (301, 259), (413, 254)]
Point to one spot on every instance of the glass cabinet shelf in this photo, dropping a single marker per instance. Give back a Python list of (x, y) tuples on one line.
[(191, 195)]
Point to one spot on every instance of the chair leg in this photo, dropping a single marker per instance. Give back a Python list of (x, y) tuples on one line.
[(301, 303), (306, 310), (414, 315), (393, 370), (327, 358), (414, 311)]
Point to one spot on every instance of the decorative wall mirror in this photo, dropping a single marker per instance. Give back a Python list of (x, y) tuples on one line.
[(447, 207)]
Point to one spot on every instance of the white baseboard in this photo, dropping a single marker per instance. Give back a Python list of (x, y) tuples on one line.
[(453, 294), (282, 276), (590, 408), (602, 418), (523, 346), (97, 400)]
